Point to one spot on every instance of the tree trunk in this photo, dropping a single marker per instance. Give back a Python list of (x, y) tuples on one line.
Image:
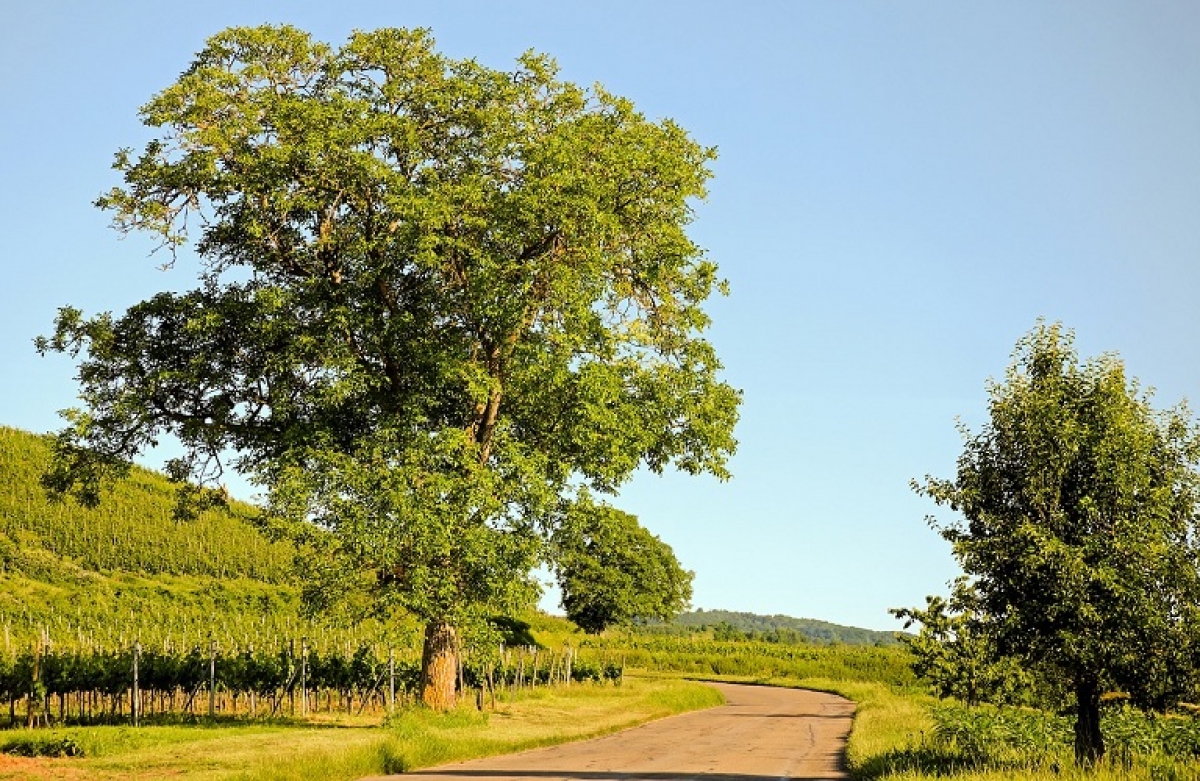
[(439, 666), (1089, 742)]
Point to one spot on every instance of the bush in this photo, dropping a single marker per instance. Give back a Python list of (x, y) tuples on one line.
[(41, 745), (988, 737)]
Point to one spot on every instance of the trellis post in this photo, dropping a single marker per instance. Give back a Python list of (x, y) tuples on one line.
[(212, 678), (135, 701)]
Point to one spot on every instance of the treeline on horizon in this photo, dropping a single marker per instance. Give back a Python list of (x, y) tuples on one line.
[(739, 625)]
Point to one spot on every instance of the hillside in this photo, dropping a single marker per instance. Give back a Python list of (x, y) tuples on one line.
[(127, 569), (132, 530), (779, 625)]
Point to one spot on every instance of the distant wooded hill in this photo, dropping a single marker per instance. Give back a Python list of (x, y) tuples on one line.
[(778, 627)]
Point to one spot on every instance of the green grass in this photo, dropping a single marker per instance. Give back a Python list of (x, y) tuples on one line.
[(413, 739), (904, 734), (988, 742)]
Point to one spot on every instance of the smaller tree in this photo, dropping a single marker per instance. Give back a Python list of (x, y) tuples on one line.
[(1079, 530), (956, 651), (611, 570)]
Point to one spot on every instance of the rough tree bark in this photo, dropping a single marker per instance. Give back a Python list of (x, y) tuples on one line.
[(1089, 742), (439, 666)]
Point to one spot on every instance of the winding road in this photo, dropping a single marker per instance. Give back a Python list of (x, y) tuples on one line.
[(759, 733)]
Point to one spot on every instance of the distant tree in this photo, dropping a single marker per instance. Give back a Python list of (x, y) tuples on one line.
[(434, 299), (784, 636), (611, 570), (727, 632), (1079, 529)]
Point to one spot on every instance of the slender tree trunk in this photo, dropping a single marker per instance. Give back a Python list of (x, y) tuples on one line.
[(1089, 742), (439, 666)]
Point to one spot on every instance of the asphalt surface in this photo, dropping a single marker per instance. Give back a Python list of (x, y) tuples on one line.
[(760, 733)]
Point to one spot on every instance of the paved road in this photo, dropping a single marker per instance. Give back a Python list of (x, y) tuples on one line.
[(760, 733)]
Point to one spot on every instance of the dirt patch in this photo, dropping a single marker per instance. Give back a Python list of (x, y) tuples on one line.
[(36, 769)]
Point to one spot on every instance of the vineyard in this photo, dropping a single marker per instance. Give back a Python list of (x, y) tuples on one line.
[(334, 672), (131, 530), (305, 676), (702, 654), (115, 610), (46, 687)]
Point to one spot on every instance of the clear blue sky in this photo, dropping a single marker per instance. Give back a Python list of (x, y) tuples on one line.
[(902, 189)]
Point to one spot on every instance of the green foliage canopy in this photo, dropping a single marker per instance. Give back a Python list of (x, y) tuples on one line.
[(613, 571), (1079, 528), (434, 299), (956, 652)]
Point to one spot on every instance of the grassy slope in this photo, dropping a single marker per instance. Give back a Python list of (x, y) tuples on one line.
[(132, 529), (110, 610), (127, 570)]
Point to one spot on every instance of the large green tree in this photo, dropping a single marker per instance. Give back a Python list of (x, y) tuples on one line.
[(1079, 529), (435, 300), (611, 570)]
